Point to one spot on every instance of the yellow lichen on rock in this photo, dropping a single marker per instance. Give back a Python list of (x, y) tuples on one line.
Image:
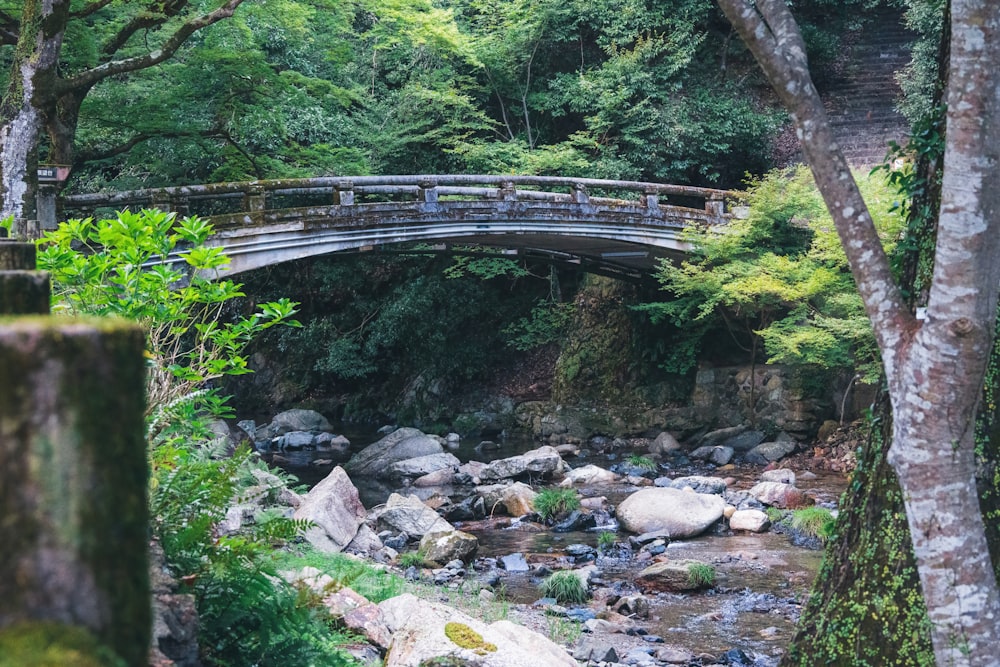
[(466, 637)]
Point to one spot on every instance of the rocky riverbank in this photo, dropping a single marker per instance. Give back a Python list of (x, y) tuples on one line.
[(674, 567)]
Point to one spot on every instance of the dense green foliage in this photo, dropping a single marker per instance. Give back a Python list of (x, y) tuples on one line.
[(616, 88), (779, 277), (247, 615)]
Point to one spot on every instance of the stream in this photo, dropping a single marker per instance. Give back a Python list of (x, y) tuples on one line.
[(761, 579)]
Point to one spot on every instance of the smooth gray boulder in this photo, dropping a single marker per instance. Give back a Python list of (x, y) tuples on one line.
[(336, 509), (753, 521), (544, 461), (449, 545), (697, 483), (400, 445), (773, 451), (680, 513), (664, 444), (408, 514), (425, 633), (294, 420), (423, 465), (589, 474)]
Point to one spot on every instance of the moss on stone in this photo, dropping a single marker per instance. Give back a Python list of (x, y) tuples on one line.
[(465, 637), (85, 466), (53, 645)]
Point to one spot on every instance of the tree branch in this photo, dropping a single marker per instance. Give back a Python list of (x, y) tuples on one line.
[(90, 8), (155, 14), (770, 32), (94, 154), (165, 52)]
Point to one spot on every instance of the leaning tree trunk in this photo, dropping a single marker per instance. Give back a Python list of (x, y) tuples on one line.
[(23, 109), (934, 366)]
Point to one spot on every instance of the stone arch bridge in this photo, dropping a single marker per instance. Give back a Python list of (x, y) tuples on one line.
[(606, 226)]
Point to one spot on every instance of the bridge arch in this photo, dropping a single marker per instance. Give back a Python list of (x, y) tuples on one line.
[(619, 226)]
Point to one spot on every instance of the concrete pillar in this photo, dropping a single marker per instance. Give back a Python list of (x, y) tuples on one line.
[(507, 191), (23, 291), (650, 199), (254, 199), (715, 207), (73, 482), (580, 195), (46, 207), (344, 194), (428, 191)]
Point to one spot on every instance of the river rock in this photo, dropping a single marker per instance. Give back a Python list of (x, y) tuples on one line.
[(589, 474), (423, 465), (515, 499), (681, 513), (697, 483), (664, 444), (442, 477), (543, 462), (754, 521), (419, 638), (721, 455), (294, 420), (335, 508), (400, 445), (772, 451), (294, 441), (782, 496), (447, 546), (330, 442), (716, 454), (721, 435), (783, 475), (407, 514), (670, 576)]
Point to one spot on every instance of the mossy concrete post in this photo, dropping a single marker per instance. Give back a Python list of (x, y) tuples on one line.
[(23, 291), (73, 479)]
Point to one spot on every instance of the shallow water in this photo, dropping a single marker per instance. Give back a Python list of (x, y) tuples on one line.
[(762, 579)]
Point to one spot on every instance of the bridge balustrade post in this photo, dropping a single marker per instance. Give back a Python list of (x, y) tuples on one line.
[(168, 203), (46, 207), (343, 195), (507, 191), (254, 199), (650, 199), (428, 191), (715, 207), (580, 194)]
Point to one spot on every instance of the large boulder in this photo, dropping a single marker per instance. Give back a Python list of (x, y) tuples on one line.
[(430, 633), (400, 445), (542, 462), (768, 452), (664, 444), (680, 513), (294, 420), (423, 465), (448, 546), (589, 474), (782, 496), (335, 508), (753, 521), (516, 499), (408, 514)]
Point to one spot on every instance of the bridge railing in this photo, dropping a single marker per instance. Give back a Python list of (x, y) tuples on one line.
[(255, 196)]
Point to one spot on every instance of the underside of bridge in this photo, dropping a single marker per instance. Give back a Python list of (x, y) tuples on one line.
[(617, 259)]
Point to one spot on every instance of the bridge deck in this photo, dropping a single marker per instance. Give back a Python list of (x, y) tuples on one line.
[(620, 226)]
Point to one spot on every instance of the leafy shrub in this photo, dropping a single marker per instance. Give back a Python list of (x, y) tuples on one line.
[(565, 587), (551, 503), (701, 575), (410, 559)]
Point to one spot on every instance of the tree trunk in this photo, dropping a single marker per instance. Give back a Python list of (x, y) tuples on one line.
[(935, 367), (25, 103)]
